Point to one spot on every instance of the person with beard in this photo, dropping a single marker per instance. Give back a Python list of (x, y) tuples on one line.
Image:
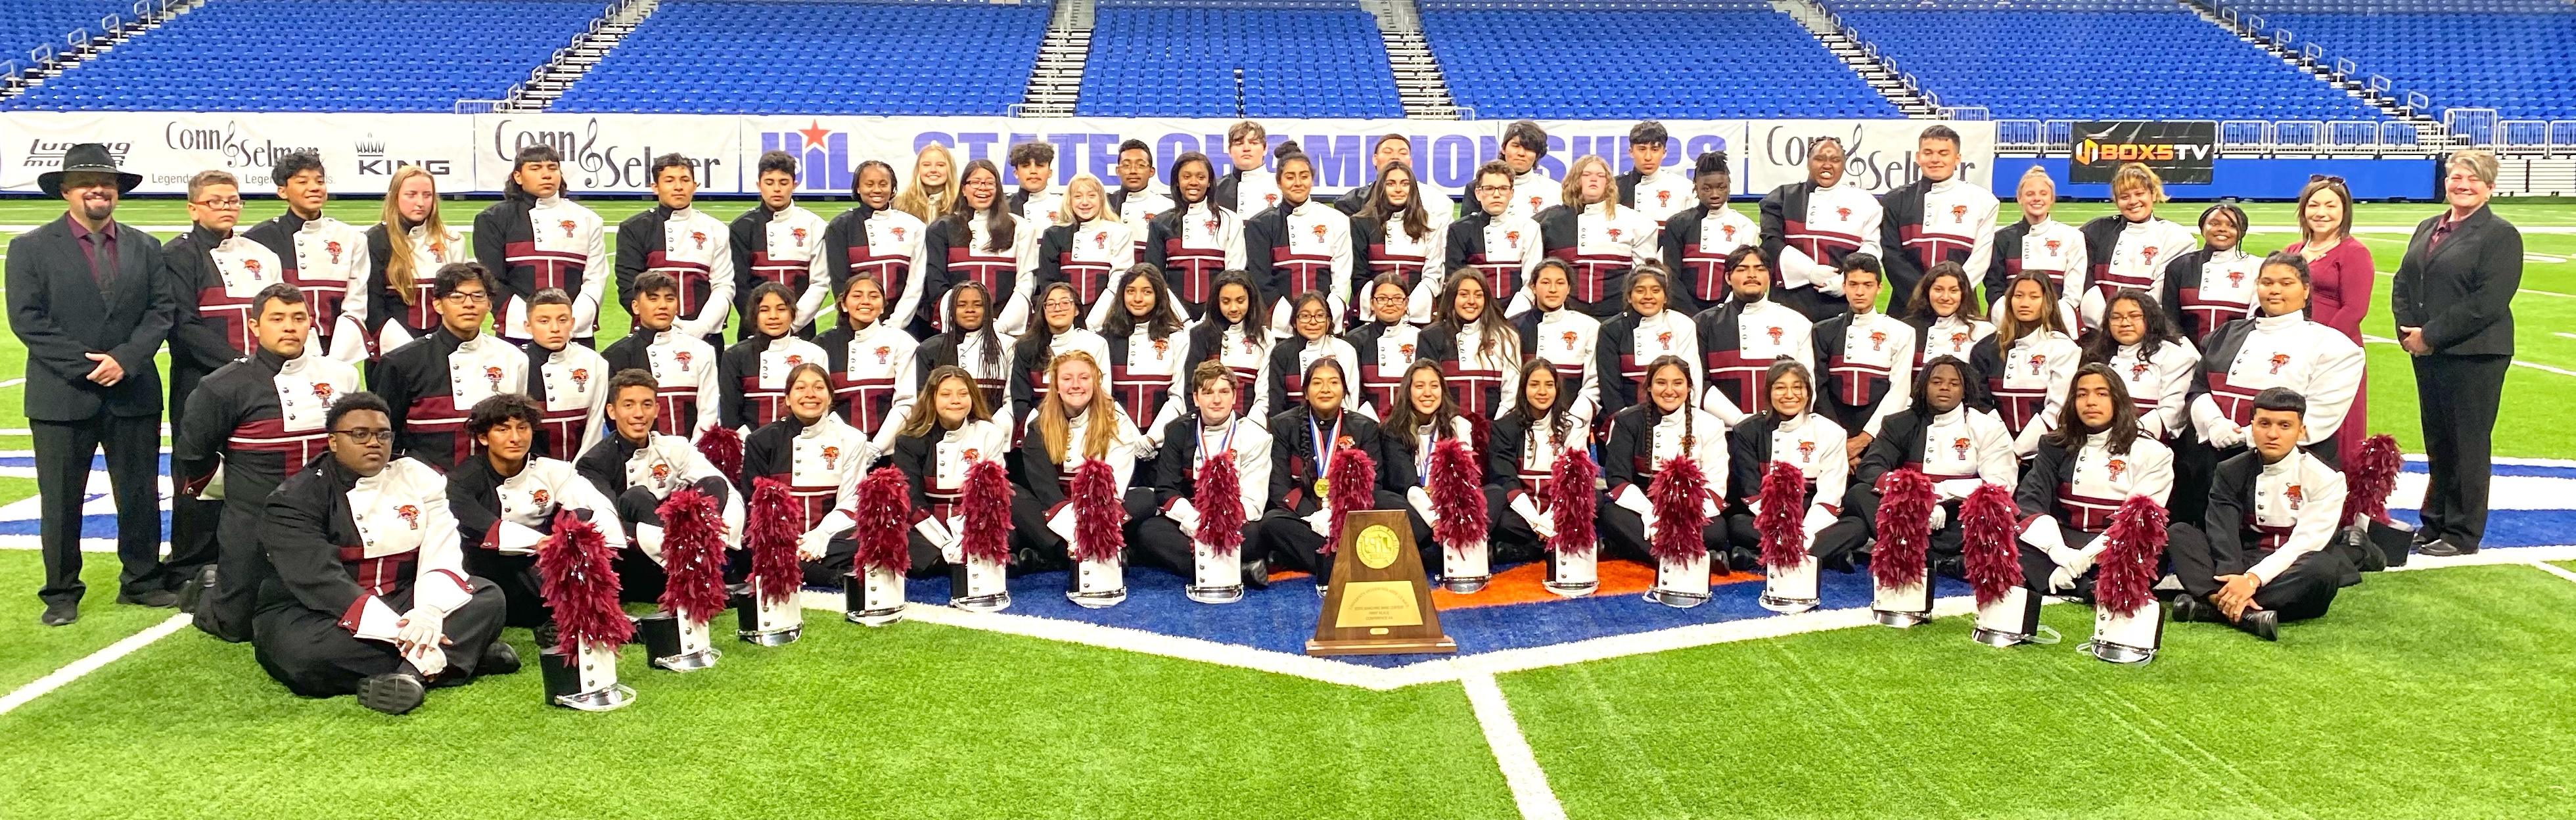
[(1235, 333), (1697, 239), (751, 376), (2037, 243), (1303, 440), (1393, 233), (1210, 429), (249, 424), (1944, 314), (1086, 246), (1664, 191), (2028, 360), (1248, 187), (637, 469), (1385, 344), (539, 239), (1944, 435), (405, 249), (1033, 167), (872, 364), (433, 382), (505, 501), (1145, 367), (1194, 240), (676, 239), (324, 256), (779, 241), (1135, 200), (1591, 233), (819, 459), (1563, 338), (2130, 249), (1493, 240), (1741, 337), (684, 367), (1299, 245), (980, 241), (1868, 357), (878, 240), (1809, 226), (1310, 339), (1389, 150), (1934, 219), (215, 277), (2212, 286), (1533, 192), (1645, 332), (568, 382), (1475, 348), (88, 301), (971, 344)]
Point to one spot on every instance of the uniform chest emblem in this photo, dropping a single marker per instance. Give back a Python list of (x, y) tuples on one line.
[(794, 359), (1211, 226), (1534, 203), (1958, 214), (2036, 360), (1960, 446), (410, 514), (2236, 279), (1614, 234), (1663, 198), (581, 378), (2279, 360), (1877, 339), (567, 227), (883, 352), (898, 233), (1512, 239), (2295, 496), (2138, 371), (1319, 233), (1161, 347), (1727, 231), (1664, 339), (2052, 246), (493, 375), (1569, 339), (1806, 451), (332, 248), (1775, 334), (251, 265), (1405, 350), (661, 472), (1843, 214), (322, 392), (699, 237), (1958, 342), (2115, 468), (1344, 441), (2148, 254), (831, 457), (1100, 239), (438, 253), (682, 357), (798, 234), (540, 496), (972, 454)]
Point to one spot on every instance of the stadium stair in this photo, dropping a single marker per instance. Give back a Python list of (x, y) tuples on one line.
[(73, 54), (2358, 87), (1418, 81), (1881, 75), (1055, 82), (548, 83)]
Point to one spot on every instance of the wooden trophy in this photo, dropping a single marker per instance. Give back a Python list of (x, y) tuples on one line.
[(1379, 601)]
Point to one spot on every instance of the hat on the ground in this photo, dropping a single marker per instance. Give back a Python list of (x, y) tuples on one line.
[(91, 157)]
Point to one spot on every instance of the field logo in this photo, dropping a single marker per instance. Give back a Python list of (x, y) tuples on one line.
[(822, 153)]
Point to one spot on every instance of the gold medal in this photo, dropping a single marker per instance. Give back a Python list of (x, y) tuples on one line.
[(1323, 489)]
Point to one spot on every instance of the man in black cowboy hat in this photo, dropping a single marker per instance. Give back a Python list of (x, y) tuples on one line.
[(85, 298)]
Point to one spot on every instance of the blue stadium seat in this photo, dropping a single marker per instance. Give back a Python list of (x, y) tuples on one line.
[(818, 57), (26, 24), (2515, 56), (1591, 59), (1299, 58)]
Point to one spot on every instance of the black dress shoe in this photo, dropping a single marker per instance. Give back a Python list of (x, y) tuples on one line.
[(1950, 567), (196, 588), (547, 635), (60, 613), (1256, 575), (392, 693), (498, 659), (2261, 623), (2443, 548), (1842, 563), (158, 598), (2191, 609), (1741, 561)]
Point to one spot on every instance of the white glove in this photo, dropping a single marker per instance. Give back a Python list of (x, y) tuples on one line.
[(348, 341), (1421, 501), (2059, 580), (518, 539), (935, 530), (1940, 516), (2227, 435), (418, 634), (814, 542), (1321, 521), (1185, 516), (1539, 521), (647, 538), (1634, 500), (1708, 507), (1649, 517), (2071, 561), (1062, 523)]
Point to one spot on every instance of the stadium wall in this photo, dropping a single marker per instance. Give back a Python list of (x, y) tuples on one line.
[(2370, 178)]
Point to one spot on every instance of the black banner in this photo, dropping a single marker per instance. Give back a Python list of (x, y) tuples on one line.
[(2182, 153)]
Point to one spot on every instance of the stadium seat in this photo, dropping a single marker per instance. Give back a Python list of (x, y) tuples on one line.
[(1593, 59), (818, 57), (2515, 56), (1298, 58)]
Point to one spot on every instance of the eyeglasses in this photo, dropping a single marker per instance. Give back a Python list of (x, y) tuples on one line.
[(469, 297), (219, 204), (380, 435), (1385, 298)]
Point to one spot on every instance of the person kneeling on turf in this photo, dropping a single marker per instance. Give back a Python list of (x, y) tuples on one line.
[(638, 469), (2260, 556), (371, 596)]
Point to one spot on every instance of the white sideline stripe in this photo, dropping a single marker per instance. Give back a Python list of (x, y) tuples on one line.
[(2393, 275), (2383, 340), (2554, 570), (1511, 750), (13, 382), (72, 672)]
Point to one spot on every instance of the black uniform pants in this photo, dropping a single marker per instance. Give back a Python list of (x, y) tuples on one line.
[(1294, 545), (2456, 398), (306, 649), (842, 554), (63, 452), (2302, 591), (516, 577), (195, 524), (1623, 534), (240, 567), (1036, 548), (1857, 530)]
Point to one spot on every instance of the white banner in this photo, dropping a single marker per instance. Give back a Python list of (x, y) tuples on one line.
[(614, 152)]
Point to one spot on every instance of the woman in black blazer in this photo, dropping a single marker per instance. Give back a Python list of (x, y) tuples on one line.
[(2454, 305)]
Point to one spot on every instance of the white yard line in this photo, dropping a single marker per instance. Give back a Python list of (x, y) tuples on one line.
[(2383, 340), (13, 382), (1511, 750), (2393, 275), (2554, 570), (84, 666)]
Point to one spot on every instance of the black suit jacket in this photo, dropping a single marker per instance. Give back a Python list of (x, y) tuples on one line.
[(2461, 294), (60, 314)]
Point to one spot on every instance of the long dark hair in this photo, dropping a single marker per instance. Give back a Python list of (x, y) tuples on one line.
[(1497, 330), (997, 217), (1920, 309), (1401, 419), (2100, 345), (1646, 397), (1120, 324), (1417, 221), (983, 332), (1319, 364), (1211, 327), (1559, 422), (1187, 158), (2071, 431), (1040, 336)]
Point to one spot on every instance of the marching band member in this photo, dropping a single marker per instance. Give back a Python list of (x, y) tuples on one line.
[(324, 256), (2028, 361), (1235, 332), (1195, 239), (1303, 441), (1395, 233), (1660, 427), (1662, 191), (684, 243), (371, 597), (880, 238), (1086, 246), (1868, 357), (1809, 226), (2037, 243), (1053, 334), (949, 430), (1311, 339), (505, 502), (404, 252), (256, 420), (1422, 417), (1524, 144), (1525, 444), (1146, 357), (1784, 432), (1474, 346), (779, 241), (2263, 553), (2212, 286), (1246, 187), (934, 186), (433, 382), (684, 367), (1943, 435), (1643, 333), (819, 459), (2094, 460), (1388, 150), (215, 278), (2279, 346), (637, 468), (971, 343), (1936, 218), (873, 364), (980, 241), (568, 382), (1697, 240), (1213, 428), (2130, 249), (2139, 343), (1299, 245), (1591, 233), (751, 376), (1386, 344), (1072, 425), (1740, 338), (1135, 201), (1944, 314), (1494, 239), (1565, 339), (1033, 167), (540, 240)]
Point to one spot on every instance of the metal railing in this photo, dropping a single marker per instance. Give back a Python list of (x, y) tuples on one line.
[(2351, 138)]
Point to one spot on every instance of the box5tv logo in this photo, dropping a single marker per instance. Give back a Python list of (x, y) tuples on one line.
[(822, 156), (2093, 152), (372, 161)]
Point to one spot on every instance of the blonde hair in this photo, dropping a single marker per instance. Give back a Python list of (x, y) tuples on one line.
[(2479, 162), (2039, 175), (399, 272), (1064, 215), (925, 416), (1572, 191), (1055, 423), (2137, 175), (923, 201)]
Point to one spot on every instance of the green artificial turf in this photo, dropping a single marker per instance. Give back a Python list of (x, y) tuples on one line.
[(912, 721), (2424, 694), (29, 650)]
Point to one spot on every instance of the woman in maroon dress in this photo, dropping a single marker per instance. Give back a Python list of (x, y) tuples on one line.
[(2341, 269)]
